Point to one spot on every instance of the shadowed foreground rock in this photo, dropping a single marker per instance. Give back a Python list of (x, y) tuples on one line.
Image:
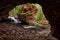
[(10, 31)]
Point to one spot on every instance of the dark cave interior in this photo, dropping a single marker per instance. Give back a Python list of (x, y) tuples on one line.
[(50, 8)]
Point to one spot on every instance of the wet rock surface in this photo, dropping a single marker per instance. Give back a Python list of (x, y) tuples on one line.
[(11, 31)]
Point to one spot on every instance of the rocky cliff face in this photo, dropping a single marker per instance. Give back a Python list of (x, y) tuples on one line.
[(50, 7)]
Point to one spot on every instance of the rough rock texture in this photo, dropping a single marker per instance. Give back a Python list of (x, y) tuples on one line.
[(11, 31)]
